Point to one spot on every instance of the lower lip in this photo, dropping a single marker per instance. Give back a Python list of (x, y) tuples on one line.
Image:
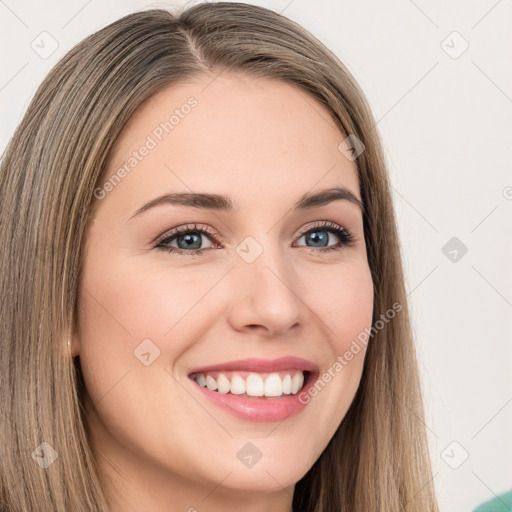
[(258, 408)]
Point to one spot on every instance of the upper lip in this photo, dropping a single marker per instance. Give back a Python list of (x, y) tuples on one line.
[(254, 364)]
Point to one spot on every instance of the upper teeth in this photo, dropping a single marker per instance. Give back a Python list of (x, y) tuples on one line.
[(254, 384)]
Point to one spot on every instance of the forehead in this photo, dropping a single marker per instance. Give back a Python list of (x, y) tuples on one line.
[(230, 133)]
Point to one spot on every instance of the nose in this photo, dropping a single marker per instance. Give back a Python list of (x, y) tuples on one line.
[(264, 298)]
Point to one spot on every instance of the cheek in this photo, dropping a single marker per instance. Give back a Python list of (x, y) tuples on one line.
[(345, 308), (121, 309), (126, 305), (131, 315), (345, 304)]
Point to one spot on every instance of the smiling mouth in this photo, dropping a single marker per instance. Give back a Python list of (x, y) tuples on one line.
[(253, 384)]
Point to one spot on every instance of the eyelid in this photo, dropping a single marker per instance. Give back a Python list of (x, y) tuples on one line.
[(320, 224), (184, 228)]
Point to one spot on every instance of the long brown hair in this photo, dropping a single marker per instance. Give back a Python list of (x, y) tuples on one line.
[(378, 458)]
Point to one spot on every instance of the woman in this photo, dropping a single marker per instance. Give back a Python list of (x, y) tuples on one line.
[(170, 341)]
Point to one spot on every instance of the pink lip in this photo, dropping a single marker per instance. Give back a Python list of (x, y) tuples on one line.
[(254, 364), (260, 409)]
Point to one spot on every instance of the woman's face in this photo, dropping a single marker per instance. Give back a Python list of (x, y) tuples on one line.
[(273, 280)]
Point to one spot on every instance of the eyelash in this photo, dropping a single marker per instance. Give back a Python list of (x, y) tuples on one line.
[(345, 236)]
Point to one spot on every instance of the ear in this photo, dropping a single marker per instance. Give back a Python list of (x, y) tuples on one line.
[(74, 347)]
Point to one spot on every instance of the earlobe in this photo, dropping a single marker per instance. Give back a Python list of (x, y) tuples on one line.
[(72, 349)]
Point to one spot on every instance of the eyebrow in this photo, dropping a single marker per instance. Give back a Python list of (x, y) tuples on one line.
[(224, 203)]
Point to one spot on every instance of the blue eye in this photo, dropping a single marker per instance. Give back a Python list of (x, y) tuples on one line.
[(188, 239), (317, 235)]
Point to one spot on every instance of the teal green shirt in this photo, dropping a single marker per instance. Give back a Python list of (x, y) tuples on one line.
[(501, 503)]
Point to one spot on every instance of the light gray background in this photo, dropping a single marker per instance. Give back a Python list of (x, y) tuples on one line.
[(445, 120)]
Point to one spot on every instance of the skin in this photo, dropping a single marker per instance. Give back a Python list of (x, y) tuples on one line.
[(159, 444)]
